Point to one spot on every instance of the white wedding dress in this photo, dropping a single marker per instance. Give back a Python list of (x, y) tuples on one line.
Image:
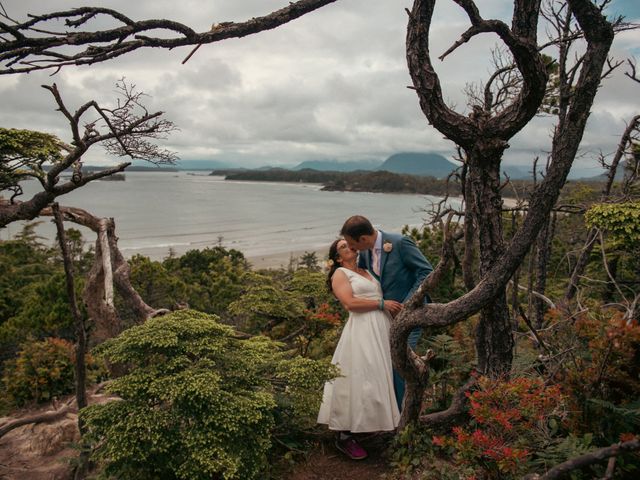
[(362, 399)]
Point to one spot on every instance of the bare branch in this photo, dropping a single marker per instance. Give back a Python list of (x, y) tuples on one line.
[(625, 141), (632, 73), (525, 53), (532, 330), (587, 459), (100, 281), (611, 66), (46, 417), (125, 129), (455, 410), (539, 295), (86, 178), (29, 46)]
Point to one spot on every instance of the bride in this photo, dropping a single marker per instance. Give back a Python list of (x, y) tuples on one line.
[(362, 399)]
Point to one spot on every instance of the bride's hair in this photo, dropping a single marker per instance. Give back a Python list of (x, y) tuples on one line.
[(333, 262)]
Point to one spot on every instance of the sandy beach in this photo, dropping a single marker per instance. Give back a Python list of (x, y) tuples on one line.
[(283, 259)]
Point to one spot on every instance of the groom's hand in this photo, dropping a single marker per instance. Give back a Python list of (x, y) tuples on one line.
[(392, 307)]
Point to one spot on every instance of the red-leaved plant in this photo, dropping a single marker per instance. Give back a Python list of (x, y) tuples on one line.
[(509, 423)]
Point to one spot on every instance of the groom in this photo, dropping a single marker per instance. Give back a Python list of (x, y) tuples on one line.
[(396, 262)]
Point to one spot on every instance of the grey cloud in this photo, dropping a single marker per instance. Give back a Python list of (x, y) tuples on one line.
[(329, 85)]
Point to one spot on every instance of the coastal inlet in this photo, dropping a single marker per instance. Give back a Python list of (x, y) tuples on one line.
[(159, 211)]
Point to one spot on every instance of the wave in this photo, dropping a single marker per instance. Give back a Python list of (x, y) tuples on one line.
[(155, 245)]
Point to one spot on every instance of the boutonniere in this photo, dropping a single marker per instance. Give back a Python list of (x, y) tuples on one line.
[(387, 247)]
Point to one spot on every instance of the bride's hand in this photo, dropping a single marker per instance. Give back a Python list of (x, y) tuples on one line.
[(392, 307)]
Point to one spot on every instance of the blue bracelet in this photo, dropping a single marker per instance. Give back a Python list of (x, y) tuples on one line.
[(381, 304)]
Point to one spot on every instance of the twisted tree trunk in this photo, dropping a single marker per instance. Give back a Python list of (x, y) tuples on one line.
[(543, 247), (484, 138), (494, 339), (109, 269)]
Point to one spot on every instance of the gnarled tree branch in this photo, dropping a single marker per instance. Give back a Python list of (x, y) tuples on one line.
[(28, 46), (599, 36), (127, 130), (587, 459), (110, 269)]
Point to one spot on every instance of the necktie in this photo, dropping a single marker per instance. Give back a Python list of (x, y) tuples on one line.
[(375, 260)]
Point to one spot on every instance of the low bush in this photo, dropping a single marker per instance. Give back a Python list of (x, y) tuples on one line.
[(43, 370), (510, 422), (199, 403)]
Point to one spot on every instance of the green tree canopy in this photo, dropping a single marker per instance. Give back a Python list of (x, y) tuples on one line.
[(23, 154), (213, 277), (620, 220)]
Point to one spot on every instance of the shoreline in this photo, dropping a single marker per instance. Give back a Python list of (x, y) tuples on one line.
[(283, 259)]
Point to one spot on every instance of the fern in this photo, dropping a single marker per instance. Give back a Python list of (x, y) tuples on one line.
[(629, 414), (562, 450), (449, 368)]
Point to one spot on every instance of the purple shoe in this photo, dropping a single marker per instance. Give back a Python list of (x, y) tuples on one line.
[(351, 448)]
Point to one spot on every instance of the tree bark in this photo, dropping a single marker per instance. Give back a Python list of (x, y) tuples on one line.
[(45, 417), (96, 292), (476, 132), (493, 339), (468, 275), (81, 336), (543, 247)]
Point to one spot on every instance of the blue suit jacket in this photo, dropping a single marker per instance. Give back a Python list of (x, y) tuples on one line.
[(402, 270)]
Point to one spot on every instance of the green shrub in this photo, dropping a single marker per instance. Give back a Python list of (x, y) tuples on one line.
[(197, 403), (42, 370), (620, 220), (213, 277), (155, 284), (45, 311)]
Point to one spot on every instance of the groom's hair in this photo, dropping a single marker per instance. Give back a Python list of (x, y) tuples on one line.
[(357, 226)]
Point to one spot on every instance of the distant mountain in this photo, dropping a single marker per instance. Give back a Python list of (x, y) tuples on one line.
[(620, 172), (517, 172), (202, 165), (578, 172), (424, 164), (130, 168), (266, 167), (336, 166)]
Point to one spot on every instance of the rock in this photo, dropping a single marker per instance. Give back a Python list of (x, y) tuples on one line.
[(51, 439), (44, 451), (40, 451)]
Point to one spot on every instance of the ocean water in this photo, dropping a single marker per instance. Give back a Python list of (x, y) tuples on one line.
[(156, 211)]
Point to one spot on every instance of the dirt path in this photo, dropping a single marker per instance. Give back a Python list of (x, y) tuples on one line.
[(327, 463)]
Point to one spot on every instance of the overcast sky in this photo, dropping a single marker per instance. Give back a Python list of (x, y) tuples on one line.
[(330, 85)]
